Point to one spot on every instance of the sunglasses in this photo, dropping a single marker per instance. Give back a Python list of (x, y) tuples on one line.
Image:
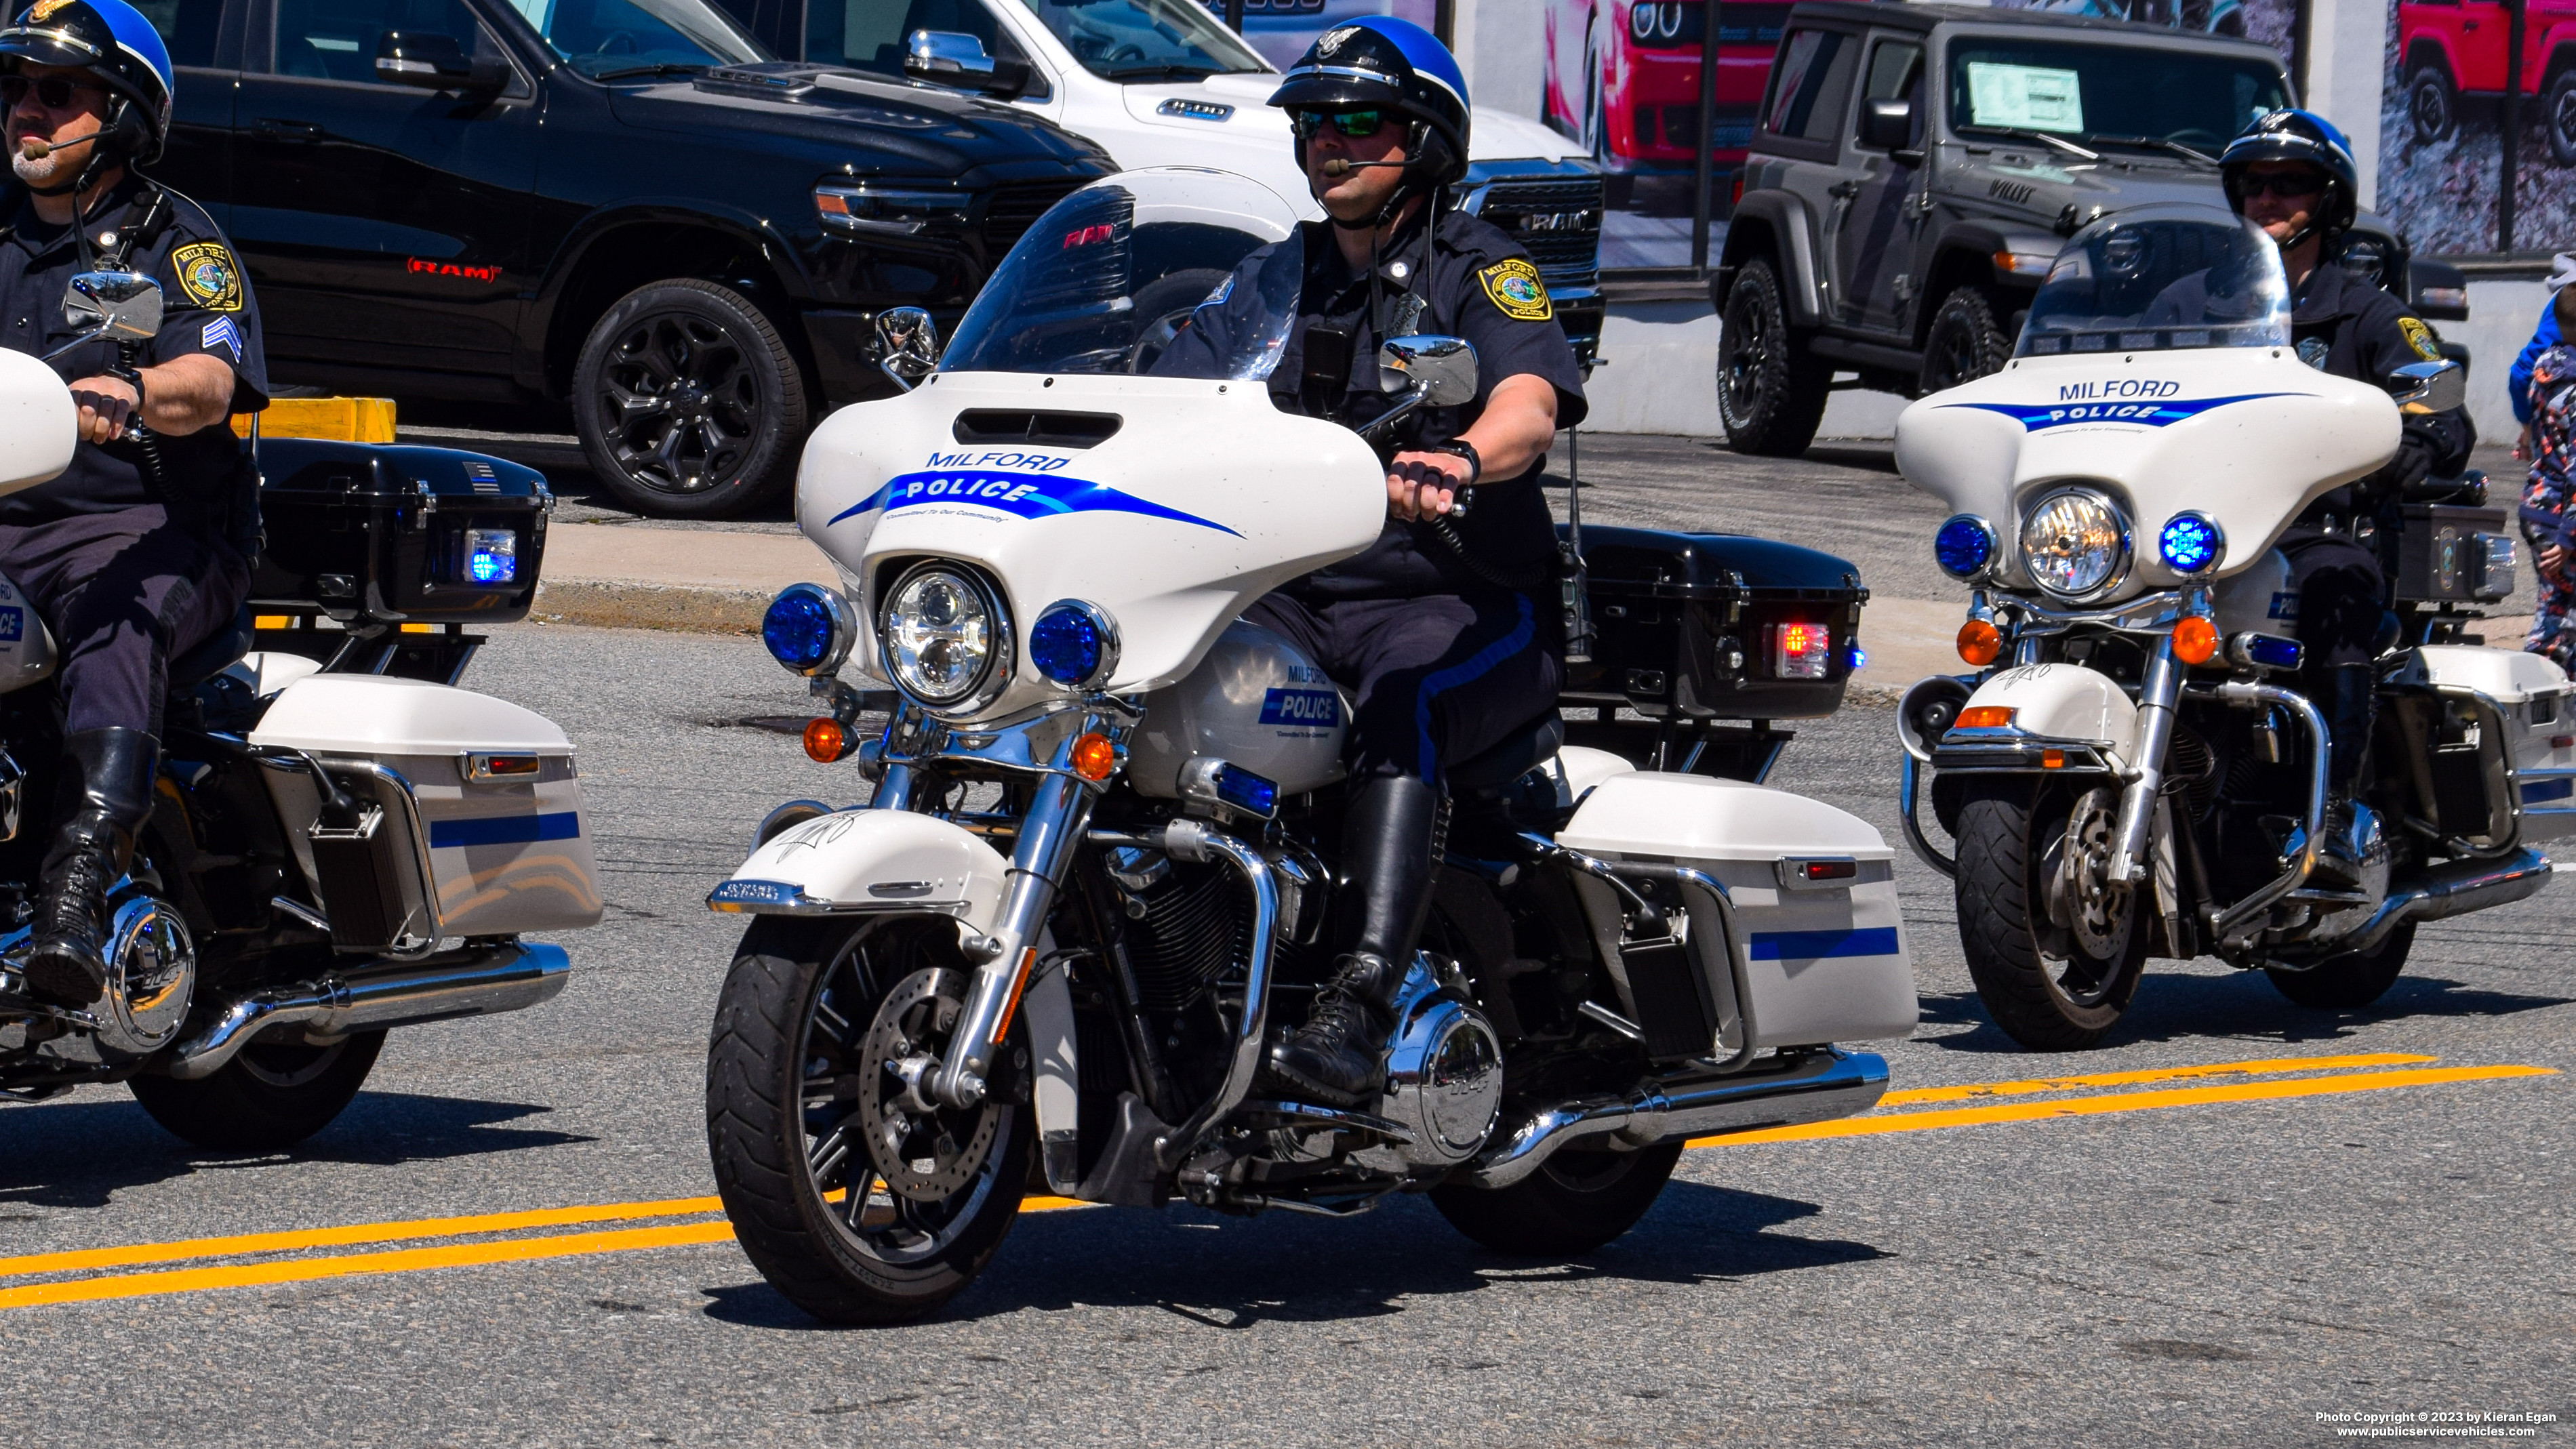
[(1357, 125), (2288, 184), (53, 92)]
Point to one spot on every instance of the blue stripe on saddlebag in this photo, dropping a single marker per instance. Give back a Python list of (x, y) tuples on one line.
[(1819, 945), (505, 830), (2548, 790)]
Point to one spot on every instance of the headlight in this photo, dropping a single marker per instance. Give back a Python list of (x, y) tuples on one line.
[(2075, 543), (808, 628), (1074, 644), (876, 208), (947, 640), (2192, 543), (1964, 546)]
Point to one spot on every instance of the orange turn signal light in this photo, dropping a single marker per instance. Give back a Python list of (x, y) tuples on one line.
[(2195, 639), (1985, 717), (1980, 641), (2052, 759), (1094, 757), (827, 742)]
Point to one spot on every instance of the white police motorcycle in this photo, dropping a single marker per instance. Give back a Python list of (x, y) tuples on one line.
[(2129, 770), (1095, 874)]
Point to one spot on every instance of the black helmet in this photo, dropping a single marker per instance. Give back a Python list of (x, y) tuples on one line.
[(2291, 135), (1382, 61), (112, 41)]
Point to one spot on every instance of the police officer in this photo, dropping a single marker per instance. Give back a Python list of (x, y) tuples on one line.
[(126, 554), (1443, 630), (2292, 174)]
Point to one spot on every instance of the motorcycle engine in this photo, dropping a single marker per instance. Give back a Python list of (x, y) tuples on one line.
[(1444, 1073)]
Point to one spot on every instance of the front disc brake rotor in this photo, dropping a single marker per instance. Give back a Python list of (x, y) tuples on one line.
[(2081, 894), (925, 1154)]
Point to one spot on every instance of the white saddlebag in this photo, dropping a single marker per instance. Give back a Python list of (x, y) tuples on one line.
[(2537, 704), (479, 791), (1826, 961)]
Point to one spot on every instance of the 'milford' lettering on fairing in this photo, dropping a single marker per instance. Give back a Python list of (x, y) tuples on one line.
[(2117, 387), (1021, 494), (1024, 462), (2039, 417)]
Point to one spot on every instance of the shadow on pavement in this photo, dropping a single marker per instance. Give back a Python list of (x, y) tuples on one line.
[(2242, 1005), (1232, 1273), (79, 1154)]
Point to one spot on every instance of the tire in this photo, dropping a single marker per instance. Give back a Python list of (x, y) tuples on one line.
[(688, 403), (267, 1099), (1574, 1203), (2005, 829), (1596, 122), (775, 1162), (1964, 342), (1770, 390), (1169, 302), (2352, 980), (2558, 110), (2432, 103)]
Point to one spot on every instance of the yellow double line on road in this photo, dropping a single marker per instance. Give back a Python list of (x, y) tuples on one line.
[(691, 1221)]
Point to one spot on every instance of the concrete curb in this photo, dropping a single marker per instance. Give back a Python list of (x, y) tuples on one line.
[(676, 607)]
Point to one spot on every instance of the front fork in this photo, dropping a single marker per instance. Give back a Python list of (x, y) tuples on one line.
[(2158, 692), (1049, 832)]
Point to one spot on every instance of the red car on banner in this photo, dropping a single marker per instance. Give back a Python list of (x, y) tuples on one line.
[(2456, 48), (1623, 77)]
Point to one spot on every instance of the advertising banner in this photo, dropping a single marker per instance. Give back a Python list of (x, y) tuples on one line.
[(2442, 123)]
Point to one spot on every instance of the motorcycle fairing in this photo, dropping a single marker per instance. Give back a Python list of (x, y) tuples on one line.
[(39, 425), (1204, 498), (2248, 435)]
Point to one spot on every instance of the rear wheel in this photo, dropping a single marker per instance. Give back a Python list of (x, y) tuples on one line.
[(1771, 391), (269, 1097), (2354, 979), (2558, 104), (856, 1207), (1575, 1202), (2055, 952), (688, 403), (1965, 342)]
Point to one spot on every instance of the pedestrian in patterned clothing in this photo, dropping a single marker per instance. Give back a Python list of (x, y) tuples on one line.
[(2549, 500)]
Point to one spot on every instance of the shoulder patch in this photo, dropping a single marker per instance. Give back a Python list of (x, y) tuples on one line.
[(1516, 291), (2420, 337), (209, 275)]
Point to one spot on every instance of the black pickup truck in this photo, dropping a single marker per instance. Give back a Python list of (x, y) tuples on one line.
[(626, 209)]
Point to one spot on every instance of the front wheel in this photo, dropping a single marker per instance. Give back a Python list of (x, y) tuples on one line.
[(2432, 104), (688, 403), (269, 1097), (1964, 343), (855, 1206), (1771, 391), (2558, 104), (1575, 1202), (2055, 950), (2352, 980)]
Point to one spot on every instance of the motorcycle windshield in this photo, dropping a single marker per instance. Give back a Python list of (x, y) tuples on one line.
[(2158, 279), (1107, 278)]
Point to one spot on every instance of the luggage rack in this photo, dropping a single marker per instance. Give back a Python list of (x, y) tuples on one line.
[(437, 653), (1728, 749)]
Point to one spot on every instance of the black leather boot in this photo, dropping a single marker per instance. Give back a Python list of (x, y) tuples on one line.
[(2350, 706), (1390, 845), (105, 796)]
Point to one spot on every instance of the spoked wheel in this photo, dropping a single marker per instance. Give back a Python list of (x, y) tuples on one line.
[(1575, 1202), (2352, 980), (687, 401), (269, 1097), (858, 1198), (2055, 948)]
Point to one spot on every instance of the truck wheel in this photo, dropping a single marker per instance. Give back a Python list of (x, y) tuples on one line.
[(1770, 390), (2558, 103), (2432, 103), (1596, 121), (2352, 980), (1574, 1203), (1964, 342), (688, 403), (267, 1099), (2051, 987)]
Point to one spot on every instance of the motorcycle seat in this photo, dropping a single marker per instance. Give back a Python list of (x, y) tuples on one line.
[(1522, 750), (211, 655)]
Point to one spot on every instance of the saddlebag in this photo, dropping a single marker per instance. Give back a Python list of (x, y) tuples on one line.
[(2448, 554), (2491, 734), (469, 820), (1716, 626), (398, 534), (1817, 932)]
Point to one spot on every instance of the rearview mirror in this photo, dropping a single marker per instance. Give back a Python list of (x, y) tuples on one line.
[(1442, 368), (2429, 387), (907, 345), (434, 61), (119, 306), (1887, 125), (952, 58)]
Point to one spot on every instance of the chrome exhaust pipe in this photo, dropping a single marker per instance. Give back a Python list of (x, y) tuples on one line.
[(1820, 1089), (475, 981), (2453, 888)]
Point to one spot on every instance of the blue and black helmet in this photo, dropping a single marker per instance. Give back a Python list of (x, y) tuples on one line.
[(1396, 65), (112, 41), (2305, 136)]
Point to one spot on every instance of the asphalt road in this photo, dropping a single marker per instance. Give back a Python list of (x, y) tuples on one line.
[(2172, 1258)]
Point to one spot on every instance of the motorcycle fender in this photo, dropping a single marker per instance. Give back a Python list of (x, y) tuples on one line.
[(869, 862), (2053, 703)]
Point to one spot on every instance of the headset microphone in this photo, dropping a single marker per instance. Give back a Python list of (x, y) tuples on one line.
[(1337, 167)]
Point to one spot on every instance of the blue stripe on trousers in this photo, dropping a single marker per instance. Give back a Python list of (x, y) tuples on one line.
[(1475, 666)]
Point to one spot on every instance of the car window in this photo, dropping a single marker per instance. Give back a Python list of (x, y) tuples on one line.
[(1811, 84), (1145, 40), (1895, 74), (872, 35), (609, 39), (188, 27), (2103, 94), (336, 39)]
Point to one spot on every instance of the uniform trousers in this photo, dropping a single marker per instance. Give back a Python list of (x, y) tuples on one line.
[(2343, 606), (124, 592)]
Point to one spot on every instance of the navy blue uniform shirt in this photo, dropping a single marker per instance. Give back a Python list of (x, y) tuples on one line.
[(206, 307)]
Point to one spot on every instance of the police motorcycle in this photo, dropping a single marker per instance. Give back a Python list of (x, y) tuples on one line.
[(343, 842), (2129, 769), (1095, 876)]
